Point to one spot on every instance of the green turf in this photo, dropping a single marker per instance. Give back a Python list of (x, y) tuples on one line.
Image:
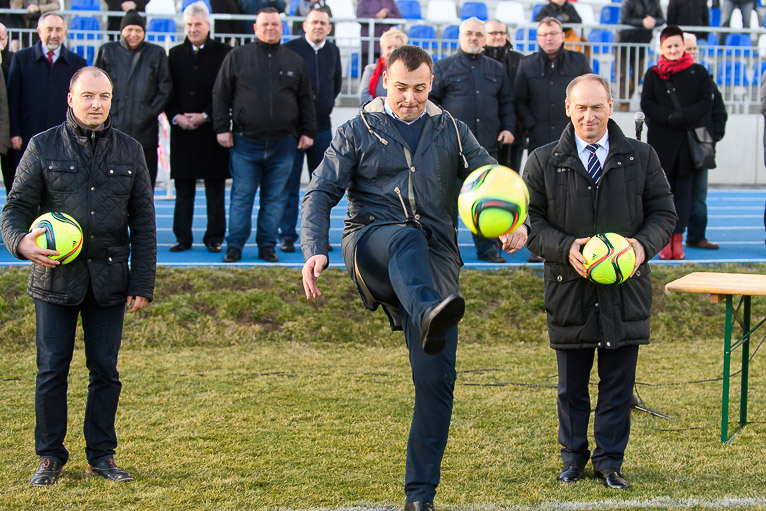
[(239, 394)]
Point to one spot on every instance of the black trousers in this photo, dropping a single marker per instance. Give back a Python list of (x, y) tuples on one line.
[(611, 424), (150, 155), (183, 214), (8, 163), (393, 261)]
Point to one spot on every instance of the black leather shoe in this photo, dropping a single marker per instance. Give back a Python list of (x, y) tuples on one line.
[(180, 247), (613, 479), (572, 472), (47, 473), (287, 245), (108, 469), (268, 254), (492, 257), (439, 318), (420, 505), (704, 244), (232, 255), (213, 247)]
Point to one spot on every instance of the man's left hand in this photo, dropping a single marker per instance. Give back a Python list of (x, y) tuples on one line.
[(505, 137), (196, 119), (138, 303), (638, 248), (305, 142), (514, 241)]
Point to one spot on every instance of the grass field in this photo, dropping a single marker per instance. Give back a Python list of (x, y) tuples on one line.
[(239, 394)]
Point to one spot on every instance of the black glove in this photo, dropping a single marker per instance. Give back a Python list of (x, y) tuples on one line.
[(676, 119)]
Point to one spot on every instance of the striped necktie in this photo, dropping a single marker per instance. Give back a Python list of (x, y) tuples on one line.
[(594, 166)]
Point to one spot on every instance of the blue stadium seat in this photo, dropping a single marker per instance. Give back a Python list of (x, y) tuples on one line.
[(536, 10), (450, 36), (760, 68), (595, 65), (601, 36), (531, 35), (82, 29), (353, 65), (474, 9), (160, 29), (285, 29), (715, 17), (86, 5), (610, 15), (410, 9), (732, 72), (423, 36), (187, 3), (739, 45)]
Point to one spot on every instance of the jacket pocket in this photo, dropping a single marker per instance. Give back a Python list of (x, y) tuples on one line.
[(117, 269), (120, 180), (565, 295), (61, 176), (637, 295), (492, 84)]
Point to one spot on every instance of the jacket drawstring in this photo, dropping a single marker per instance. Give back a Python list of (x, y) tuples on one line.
[(382, 140)]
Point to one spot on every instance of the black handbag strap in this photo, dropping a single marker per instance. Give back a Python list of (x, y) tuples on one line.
[(673, 95)]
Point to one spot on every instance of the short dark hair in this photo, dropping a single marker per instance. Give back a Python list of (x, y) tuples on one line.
[(88, 69), (267, 10), (321, 8), (550, 20), (412, 56)]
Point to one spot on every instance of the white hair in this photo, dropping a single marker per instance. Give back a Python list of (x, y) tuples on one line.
[(197, 8), (470, 21)]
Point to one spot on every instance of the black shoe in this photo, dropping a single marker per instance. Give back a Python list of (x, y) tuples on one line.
[(329, 248), (268, 254), (180, 247), (572, 472), (437, 320), (213, 247), (613, 479), (232, 255), (492, 257), (47, 473), (420, 505), (108, 469), (535, 259), (287, 245)]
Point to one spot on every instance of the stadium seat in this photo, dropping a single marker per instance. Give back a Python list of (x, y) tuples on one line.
[(601, 36), (610, 15), (739, 45), (342, 9), (586, 14), (161, 29), (161, 8), (286, 30), (536, 10), (760, 68), (86, 5), (423, 36), (187, 3), (511, 13), (442, 11), (595, 65), (526, 41), (82, 29), (715, 17), (450, 37), (474, 9), (410, 9), (732, 72)]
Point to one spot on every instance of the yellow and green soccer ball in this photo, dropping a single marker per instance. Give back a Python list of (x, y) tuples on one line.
[(493, 201), (62, 234), (609, 258)]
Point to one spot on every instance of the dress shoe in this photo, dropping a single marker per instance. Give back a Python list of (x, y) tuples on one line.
[(180, 247), (47, 473), (492, 257), (613, 479), (535, 259), (232, 255), (437, 320), (703, 243), (213, 247), (572, 472), (420, 505), (108, 469), (287, 245), (268, 254)]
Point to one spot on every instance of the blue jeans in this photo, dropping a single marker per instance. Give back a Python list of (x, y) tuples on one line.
[(102, 329), (314, 155), (254, 163)]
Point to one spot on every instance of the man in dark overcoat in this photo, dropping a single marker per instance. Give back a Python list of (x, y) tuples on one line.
[(194, 151), (596, 180)]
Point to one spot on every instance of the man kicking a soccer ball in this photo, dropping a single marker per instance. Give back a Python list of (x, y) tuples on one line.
[(399, 160), (98, 176)]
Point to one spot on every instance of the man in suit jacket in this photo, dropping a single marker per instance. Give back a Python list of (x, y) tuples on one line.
[(194, 151), (39, 80)]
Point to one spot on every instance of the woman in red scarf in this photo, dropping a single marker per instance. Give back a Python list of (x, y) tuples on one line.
[(668, 125), (371, 85)]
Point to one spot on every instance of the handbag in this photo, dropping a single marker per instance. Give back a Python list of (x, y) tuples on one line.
[(701, 143)]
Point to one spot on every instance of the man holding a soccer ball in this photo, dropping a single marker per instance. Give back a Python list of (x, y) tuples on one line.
[(595, 180)]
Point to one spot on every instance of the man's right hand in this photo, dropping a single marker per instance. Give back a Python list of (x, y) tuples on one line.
[(29, 249), (576, 258), (16, 143), (311, 272), (649, 22), (225, 139)]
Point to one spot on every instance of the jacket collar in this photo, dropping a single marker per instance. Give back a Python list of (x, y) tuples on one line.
[(267, 46), (38, 53), (469, 56), (380, 125), (125, 46), (190, 47), (78, 130), (565, 151)]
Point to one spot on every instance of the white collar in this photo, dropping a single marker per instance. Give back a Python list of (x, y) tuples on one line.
[(603, 142), (390, 112), (316, 47)]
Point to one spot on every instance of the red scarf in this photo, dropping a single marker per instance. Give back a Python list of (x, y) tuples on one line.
[(379, 68), (666, 68)]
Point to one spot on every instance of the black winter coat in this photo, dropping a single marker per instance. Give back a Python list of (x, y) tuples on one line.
[(195, 154), (633, 12), (366, 160), (264, 92), (666, 126), (141, 91), (101, 180), (566, 13), (689, 13), (633, 199), (476, 90), (540, 90)]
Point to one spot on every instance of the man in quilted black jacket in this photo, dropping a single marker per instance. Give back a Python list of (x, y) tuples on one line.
[(97, 175)]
